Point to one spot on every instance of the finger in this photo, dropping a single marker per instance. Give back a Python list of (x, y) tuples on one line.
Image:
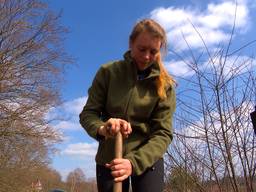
[(108, 165), (108, 131), (117, 167), (123, 123), (110, 122), (124, 126), (122, 178), (129, 128), (108, 127), (118, 173), (128, 131), (113, 127), (117, 161), (114, 163), (118, 125)]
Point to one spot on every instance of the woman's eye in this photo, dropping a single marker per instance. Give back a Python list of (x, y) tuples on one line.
[(142, 50), (153, 52)]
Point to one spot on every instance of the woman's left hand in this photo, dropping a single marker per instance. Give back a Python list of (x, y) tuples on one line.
[(121, 169)]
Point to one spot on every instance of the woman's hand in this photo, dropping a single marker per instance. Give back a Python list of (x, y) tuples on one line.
[(113, 126), (121, 169)]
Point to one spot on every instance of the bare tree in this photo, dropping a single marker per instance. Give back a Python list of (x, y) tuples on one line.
[(32, 62), (214, 137), (76, 180)]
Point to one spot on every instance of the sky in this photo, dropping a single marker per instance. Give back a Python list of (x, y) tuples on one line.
[(98, 33)]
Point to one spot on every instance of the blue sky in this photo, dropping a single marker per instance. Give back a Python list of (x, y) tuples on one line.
[(99, 33)]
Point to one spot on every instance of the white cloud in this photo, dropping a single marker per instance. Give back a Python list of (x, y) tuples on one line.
[(67, 109), (233, 65), (66, 116), (77, 155), (172, 17), (68, 125), (212, 24), (220, 15), (75, 106), (81, 149), (66, 138), (178, 68)]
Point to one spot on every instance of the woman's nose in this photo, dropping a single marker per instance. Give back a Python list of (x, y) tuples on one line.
[(146, 55)]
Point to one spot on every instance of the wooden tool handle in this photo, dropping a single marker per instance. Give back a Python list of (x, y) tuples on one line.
[(118, 154)]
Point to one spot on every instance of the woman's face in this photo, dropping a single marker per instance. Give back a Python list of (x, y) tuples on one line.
[(144, 49)]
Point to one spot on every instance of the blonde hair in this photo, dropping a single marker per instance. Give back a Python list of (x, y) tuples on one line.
[(149, 25)]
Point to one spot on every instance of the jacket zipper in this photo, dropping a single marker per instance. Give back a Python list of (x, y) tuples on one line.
[(126, 114)]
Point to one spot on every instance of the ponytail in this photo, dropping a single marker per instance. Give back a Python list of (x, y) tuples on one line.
[(164, 80)]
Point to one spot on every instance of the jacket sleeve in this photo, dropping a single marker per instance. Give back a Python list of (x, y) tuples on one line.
[(90, 117), (160, 137)]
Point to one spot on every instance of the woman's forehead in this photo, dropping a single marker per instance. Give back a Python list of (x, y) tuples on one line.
[(148, 40)]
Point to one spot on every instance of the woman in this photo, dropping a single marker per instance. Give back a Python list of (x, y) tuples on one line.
[(135, 96)]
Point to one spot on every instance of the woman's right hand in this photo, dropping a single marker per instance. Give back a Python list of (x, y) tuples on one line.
[(113, 126)]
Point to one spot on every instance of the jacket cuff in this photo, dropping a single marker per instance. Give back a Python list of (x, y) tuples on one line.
[(135, 167), (94, 131)]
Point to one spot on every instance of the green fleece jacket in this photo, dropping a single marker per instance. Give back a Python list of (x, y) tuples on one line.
[(117, 92)]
